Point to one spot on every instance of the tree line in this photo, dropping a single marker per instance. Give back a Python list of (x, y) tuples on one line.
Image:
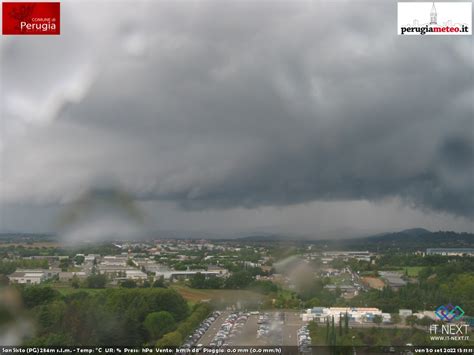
[(131, 317)]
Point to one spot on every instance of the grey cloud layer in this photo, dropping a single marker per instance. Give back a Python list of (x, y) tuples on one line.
[(258, 104)]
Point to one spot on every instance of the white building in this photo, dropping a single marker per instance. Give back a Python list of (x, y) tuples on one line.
[(114, 260), (218, 269), (386, 317), (28, 277), (405, 312), (450, 251), (355, 314), (68, 276), (135, 275), (183, 275), (112, 270), (90, 258), (428, 314)]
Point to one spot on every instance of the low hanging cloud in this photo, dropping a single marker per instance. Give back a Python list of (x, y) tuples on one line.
[(214, 105)]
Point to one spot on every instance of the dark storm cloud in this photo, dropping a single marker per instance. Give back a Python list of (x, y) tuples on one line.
[(216, 105)]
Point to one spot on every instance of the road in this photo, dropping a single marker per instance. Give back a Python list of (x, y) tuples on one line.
[(291, 325)]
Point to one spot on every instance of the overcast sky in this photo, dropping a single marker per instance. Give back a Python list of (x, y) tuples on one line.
[(298, 117)]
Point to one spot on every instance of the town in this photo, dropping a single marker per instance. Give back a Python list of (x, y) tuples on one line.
[(259, 292)]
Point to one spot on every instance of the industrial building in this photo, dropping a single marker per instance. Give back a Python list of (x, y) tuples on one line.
[(450, 251), (355, 314)]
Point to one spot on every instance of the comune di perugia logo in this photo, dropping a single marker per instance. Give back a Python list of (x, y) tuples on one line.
[(31, 18), (449, 312), (436, 19)]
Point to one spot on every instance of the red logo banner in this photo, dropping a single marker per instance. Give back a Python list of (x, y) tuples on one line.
[(31, 18)]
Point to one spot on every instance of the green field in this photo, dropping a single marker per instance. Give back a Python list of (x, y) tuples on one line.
[(193, 296), (343, 279), (413, 270), (68, 290), (227, 297)]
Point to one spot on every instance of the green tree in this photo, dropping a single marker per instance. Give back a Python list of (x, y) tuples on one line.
[(213, 282), (37, 295), (96, 281), (128, 284), (159, 323), (411, 320), (395, 318), (313, 302), (327, 331), (79, 259), (160, 282), (56, 339), (346, 323), (64, 264), (238, 280), (4, 280), (75, 282), (170, 340), (7, 268), (266, 287), (333, 332), (378, 319), (426, 321), (197, 281)]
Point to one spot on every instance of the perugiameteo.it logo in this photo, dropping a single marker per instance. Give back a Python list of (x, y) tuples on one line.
[(434, 18)]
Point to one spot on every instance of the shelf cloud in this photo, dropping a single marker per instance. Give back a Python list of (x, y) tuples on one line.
[(222, 106)]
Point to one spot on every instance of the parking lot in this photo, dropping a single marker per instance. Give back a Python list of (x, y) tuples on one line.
[(213, 329), (265, 328), (205, 329)]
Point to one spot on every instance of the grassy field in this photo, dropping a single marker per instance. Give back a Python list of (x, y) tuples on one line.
[(413, 270), (193, 296), (66, 290), (228, 297), (343, 279)]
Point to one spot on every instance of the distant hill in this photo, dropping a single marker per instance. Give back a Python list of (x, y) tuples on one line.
[(19, 237), (417, 238), (409, 239), (404, 234), (262, 238)]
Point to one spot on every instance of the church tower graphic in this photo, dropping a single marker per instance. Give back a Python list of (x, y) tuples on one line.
[(433, 15), (456, 18)]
